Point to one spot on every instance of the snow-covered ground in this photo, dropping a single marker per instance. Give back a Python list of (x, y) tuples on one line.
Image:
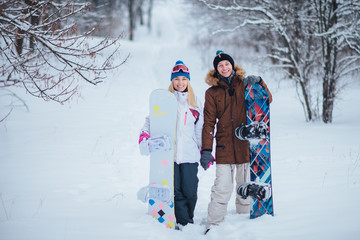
[(73, 171)]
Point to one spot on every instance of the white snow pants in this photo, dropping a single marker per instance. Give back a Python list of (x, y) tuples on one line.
[(222, 189)]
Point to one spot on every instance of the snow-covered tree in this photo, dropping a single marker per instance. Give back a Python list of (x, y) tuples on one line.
[(114, 16), (302, 37), (338, 28), (41, 51), (136, 14)]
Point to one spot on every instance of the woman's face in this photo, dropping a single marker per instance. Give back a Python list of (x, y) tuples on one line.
[(180, 83), (224, 68)]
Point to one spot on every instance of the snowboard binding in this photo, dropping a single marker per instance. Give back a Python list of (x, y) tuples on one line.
[(260, 191), (158, 144), (255, 130), (158, 192)]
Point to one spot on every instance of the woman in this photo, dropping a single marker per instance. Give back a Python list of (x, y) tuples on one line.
[(187, 144)]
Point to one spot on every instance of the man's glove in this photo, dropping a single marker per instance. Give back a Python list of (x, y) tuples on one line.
[(251, 80), (206, 159)]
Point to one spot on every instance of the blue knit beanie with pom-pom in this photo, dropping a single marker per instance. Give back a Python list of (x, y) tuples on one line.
[(177, 70)]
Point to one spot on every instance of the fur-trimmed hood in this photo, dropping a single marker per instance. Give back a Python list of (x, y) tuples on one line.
[(213, 80)]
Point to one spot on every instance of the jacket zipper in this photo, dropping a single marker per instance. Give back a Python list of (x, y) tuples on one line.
[(232, 125), (185, 118)]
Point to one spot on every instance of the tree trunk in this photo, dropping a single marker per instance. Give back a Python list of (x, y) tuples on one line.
[(131, 19), (330, 58), (328, 100), (151, 3), (34, 20), (19, 41), (295, 71), (307, 107), (329, 82), (140, 14)]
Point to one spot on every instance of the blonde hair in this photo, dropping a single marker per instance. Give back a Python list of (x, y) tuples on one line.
[(191, 95)]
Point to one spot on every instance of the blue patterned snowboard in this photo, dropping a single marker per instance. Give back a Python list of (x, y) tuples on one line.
[(258, 109)]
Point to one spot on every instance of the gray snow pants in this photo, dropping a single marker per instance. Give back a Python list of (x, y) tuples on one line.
[(222, 189)]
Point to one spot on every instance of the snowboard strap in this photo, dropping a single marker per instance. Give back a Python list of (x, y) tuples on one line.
[(155, 191), (157, 144)]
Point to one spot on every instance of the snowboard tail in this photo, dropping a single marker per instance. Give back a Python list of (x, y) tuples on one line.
[(258, 110)]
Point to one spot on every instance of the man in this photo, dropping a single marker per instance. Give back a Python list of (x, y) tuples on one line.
[(225, 108)]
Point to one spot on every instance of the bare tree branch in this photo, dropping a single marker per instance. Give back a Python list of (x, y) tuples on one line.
[(47, 56)]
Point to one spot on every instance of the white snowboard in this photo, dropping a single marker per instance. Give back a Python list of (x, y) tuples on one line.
[(160, 191)]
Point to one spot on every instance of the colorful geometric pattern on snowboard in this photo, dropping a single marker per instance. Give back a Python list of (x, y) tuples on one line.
[(258, 109), (163, 114)]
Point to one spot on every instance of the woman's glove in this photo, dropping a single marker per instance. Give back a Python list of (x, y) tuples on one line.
[(206, 159), (143, 143)]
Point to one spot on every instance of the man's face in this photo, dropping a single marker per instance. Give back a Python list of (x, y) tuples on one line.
[(225, 68)]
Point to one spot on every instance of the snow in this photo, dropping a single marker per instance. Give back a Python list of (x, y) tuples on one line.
[(73, 171)]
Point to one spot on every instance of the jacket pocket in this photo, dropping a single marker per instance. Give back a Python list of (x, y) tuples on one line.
[(220, 140), (222, 147), (220, 108)]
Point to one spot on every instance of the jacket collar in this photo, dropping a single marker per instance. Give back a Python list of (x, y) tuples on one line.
[(181, 96)]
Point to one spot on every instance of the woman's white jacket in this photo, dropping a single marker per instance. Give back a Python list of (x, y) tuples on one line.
[(190, 122)]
